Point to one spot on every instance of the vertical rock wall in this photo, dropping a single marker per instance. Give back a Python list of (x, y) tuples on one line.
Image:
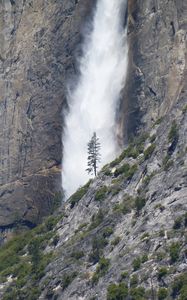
[(157, 61), (38, 40)]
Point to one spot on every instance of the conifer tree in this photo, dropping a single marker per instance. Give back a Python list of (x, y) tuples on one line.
[(93, 154)]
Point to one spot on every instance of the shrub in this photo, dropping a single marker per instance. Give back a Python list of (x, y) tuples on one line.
[(98, 245), (67, 279), (136, 263), (185, 220), (162, 272), (101, 194), (77, 254), (117, 291), (174, 252), (179, 283), (96, 219), (101, 269), (144, 258), (173, 133), (184, 110), (139, 203), (122, 170), (177, 223), (76, 197), (149, 151), (55, 240), (107, 231), (134, 280), (124, 275), (137, 293), (116, 241), (162, 293)]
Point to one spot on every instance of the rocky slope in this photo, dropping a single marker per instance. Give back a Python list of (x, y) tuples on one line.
[(39, 43), (122, 236)]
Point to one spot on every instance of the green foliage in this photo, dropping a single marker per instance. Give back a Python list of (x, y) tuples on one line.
[(139, 203), (55, 240), (179, 285), (162, 293), (184, 110), (117, 291), (136, 263), (101, 269), (107, 231), (77, 196), (144, 258), (67, 279), (162, 272), (137, 293), (178, 223), (149, 151), (101, 194), (125, 206), (77, 254), (173, 133), (134, 281), (98, 244), (96, 220), (124, 275), (116, 241), (167, 162), (126, 170), (174, 251)]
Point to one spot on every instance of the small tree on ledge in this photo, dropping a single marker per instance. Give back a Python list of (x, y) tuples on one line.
[(93, 154)]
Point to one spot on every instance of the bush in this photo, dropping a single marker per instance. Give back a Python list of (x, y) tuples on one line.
[(134, 280), (136, 263), (96, 220), (162, 293), (174, 252), (173, 133), (177, 223), (67, 279), (107, 232), (178, 285), (98, 244), (77, 254), (101, 194), (139, 203), (144, 258), (116, 241), (149, 151), (101, 269), (76, 197), (162, 272), (117, 291), (137, 293)]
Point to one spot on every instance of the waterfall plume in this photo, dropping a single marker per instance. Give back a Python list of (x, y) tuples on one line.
[(94, 101)]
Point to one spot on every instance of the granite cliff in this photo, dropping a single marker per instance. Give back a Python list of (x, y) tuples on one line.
[(122, 235)]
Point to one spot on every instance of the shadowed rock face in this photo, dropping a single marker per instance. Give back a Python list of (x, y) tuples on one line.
[(157, 61), (37, 55)]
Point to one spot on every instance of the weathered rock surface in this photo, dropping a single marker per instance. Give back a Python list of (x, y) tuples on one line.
[(157, 61), (37, 55)]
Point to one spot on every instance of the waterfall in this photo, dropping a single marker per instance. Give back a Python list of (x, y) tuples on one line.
[(94, 101)]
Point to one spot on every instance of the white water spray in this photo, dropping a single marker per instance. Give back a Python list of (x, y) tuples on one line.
[(94, 101)]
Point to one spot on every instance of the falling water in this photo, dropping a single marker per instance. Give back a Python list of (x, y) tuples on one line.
[(94, 101)]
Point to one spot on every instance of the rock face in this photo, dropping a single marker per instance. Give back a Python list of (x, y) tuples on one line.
[(157, 61), (37, 55)]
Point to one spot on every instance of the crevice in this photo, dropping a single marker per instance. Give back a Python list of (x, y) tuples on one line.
[(173, 28), (152, 91)]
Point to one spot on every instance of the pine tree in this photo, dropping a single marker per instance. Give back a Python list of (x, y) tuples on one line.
[(93, 155)]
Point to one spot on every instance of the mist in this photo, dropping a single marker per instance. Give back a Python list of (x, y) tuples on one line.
[(94, 101)]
